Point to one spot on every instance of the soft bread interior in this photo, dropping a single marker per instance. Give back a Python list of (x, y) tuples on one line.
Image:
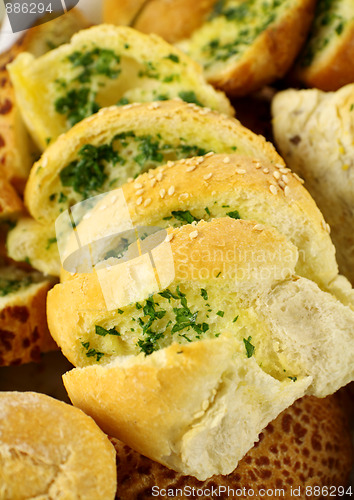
[(103, 66)]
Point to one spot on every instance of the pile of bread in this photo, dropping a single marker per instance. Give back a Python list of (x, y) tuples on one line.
[(205, 295)]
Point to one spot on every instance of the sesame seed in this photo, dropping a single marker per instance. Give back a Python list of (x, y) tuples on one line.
[(281, 184), (205, 404), (139, 200), (170, 163), (152, 182), (328, 228), (240, 171), (193, 235), (298, 178), (266, 170), (324, 225), (191, 168), (279, 165), (258, 227), (199, 413), (285, 179), (276, 175), (226, 159), (138, 185), (258, 165), (183, 196), (189, 161), (169, 237), (162, 192), (159, 176), (200, 160), (273, 189), (207, 176), (286, 190), (209, 154), (171, 190), (284, 170), (139, 192), (147, 202)]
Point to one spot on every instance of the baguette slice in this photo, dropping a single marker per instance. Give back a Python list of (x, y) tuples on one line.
[(231, 340), (103, 66), (24, 332), (285, 457), (327, 60), (103, 151), (248, 44), (48, 449), (16, 150), (314, 131)]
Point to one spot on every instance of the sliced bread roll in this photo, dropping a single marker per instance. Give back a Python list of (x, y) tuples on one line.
[(224, 341), (103, 66), (24, 332), (16, 150), (327, 60), (308, 444), (315, 133), (245, 45), (48, 449), (103, 151)]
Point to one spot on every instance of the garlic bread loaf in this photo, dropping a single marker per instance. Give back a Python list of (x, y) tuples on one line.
[(24, 332), (287, 456), (245, 45), (48, 449), (30, 241), (232, 310), (105, 150), (314, 131), (16, 150), (326, 62), (103, 66)]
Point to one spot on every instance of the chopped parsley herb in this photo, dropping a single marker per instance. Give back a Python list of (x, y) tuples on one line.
[(234, 214), (123, 101), (138, 306), (77, 104), (62, 198), (249, 347), (184, 216), (120, 311), (149, 151), (351, 107), (50, 242), (90, 353), (47, 140), (173, 58), (95, 62), (220, 313), (294, 379), (149, 71), (235, 319), (99, 330), (207, 210), (218, 274), (8, 286), (204, 293), (189, 96), (27, 260)]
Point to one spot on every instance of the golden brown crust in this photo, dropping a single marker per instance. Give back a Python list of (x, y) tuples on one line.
[(309, 444), (270, 56), (173, 21), (122, 12), (24, 333), (48, 449), (10, 203), (332, 72)]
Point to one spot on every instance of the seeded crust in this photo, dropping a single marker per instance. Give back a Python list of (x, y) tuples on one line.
[(24, 333), (308, 444), (172, 119), (259, 190), (48, 449), (16, 149), (314, 132)]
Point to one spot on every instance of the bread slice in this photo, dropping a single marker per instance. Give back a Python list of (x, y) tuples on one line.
[(129, 140), (286, 457), (248, 44), (326, 62), (218, 186), (16, 150), (102, 66), (58, 449), (30, 241), (221, 343), (314, 131), (24, 332)]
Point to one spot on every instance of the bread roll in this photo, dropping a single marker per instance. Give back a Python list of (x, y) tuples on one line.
[(326, 62), (48, 449), (16, 150), (314, 131), (218, 186), (233, 311), (24, 333), (103, 66), (245, 45), (137, 137), (308, 444)]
